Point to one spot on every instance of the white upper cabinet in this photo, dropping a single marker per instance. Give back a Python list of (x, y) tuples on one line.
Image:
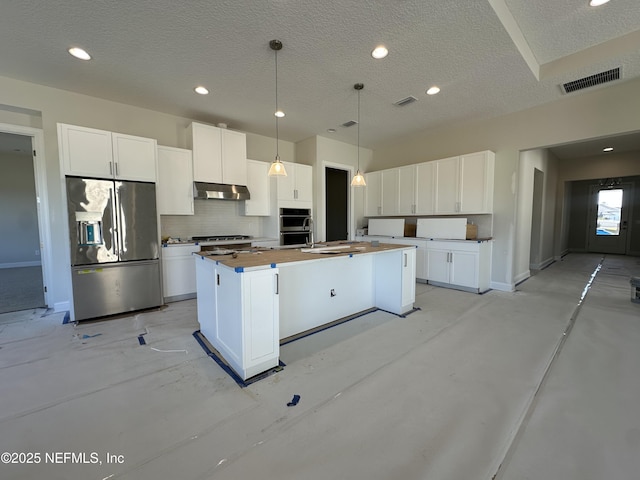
[(476, 182), (259, 188), (464, 184), (296, 189), (134, 157), (219, 155), (425, 189), (373, 194), (447, 173), (407, 190), (102, 154), (175, 181), (401, 191), (390, 198), (234, 157)]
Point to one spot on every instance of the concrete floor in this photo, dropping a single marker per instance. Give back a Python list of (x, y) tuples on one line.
[(533, 384)]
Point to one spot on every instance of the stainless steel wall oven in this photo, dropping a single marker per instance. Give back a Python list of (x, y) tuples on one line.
[(295, 226)]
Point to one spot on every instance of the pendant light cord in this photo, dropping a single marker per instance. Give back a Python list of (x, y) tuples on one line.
[(358, 131), (276, 112)]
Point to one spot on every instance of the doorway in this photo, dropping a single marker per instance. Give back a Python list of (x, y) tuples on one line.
[(608, 218), (336, 204), (23, 220)]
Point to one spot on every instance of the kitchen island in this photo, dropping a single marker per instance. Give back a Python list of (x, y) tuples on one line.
[(249, 301)]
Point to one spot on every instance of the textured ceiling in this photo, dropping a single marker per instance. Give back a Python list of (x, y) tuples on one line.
[(152, 53)]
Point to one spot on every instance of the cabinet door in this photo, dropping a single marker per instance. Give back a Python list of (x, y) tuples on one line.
[(234, 157), (438, 265), (447, 181), (134, 157), (261, 318), (85, 151), (373, 194), (175, 181), (464, 269), (303, 183), (407, 190), (425, 189), (408, 277), (205, 142), (258, 185), (286, 185), (476, 183), (390, 197)]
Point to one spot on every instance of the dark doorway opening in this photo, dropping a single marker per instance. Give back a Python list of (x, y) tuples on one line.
[(336, 204)]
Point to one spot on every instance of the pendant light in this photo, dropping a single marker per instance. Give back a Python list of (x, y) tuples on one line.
[(277, 167), (358, 180)]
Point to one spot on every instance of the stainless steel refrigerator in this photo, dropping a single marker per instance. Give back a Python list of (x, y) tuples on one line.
[(114, 246)]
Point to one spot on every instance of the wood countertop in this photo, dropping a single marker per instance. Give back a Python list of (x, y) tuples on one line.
[(259, 257)]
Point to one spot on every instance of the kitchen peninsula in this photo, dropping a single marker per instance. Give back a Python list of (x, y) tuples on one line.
[(249, 301)]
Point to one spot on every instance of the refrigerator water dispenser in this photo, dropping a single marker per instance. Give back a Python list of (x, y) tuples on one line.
[(89, 228)]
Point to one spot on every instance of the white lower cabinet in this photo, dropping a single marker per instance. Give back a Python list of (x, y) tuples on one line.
[(239, 315), (179, 272), (465, 265), (391, 295), (421, 251)]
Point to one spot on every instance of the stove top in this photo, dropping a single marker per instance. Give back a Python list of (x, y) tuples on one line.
[(215, 238)]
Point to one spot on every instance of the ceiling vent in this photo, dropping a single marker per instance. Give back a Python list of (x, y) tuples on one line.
[(405, 101), (592, 80), (350, 123)]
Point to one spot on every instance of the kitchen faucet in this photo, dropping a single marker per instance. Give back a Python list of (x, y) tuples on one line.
[(308, 222)]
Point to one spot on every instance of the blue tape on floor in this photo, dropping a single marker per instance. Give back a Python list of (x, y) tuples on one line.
[(141, 340), (294, 401), (242, 383), (66, 319)]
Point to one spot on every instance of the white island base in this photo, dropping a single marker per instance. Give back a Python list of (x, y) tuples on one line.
[(248, 304)]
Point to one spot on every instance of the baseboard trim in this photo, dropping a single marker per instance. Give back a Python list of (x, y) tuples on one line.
[(503, 287), (542, 265), (20, 264), (62, 306)]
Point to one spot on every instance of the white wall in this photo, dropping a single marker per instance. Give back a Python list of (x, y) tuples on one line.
[(321, 152), (543, 161)]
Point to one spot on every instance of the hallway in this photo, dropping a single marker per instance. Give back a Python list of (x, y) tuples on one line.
[(468, 387)]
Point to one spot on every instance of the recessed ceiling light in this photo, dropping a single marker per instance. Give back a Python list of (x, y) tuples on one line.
[(79, 53), (597, 3), (380, 52), (607, 149), (433, 90), (279, 114), (331, 130), (201, 90)]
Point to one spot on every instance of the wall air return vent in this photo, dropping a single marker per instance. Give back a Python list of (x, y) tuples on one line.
[(350, 123), (591, 80), (405, 101)]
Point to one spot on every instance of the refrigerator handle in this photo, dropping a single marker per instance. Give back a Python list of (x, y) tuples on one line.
[(110, 168)]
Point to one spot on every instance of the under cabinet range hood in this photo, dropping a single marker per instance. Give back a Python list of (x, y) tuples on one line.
[(220, 191)]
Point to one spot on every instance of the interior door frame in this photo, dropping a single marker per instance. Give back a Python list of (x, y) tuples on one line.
[(627, 189), (42, 198), (321, 214)]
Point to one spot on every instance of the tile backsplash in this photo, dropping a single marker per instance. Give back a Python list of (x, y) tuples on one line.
[(211, 217)]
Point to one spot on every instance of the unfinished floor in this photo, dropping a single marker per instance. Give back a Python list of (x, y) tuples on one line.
[(534, 384)]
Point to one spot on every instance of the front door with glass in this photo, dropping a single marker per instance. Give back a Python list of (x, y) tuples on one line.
[(608, 219)]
